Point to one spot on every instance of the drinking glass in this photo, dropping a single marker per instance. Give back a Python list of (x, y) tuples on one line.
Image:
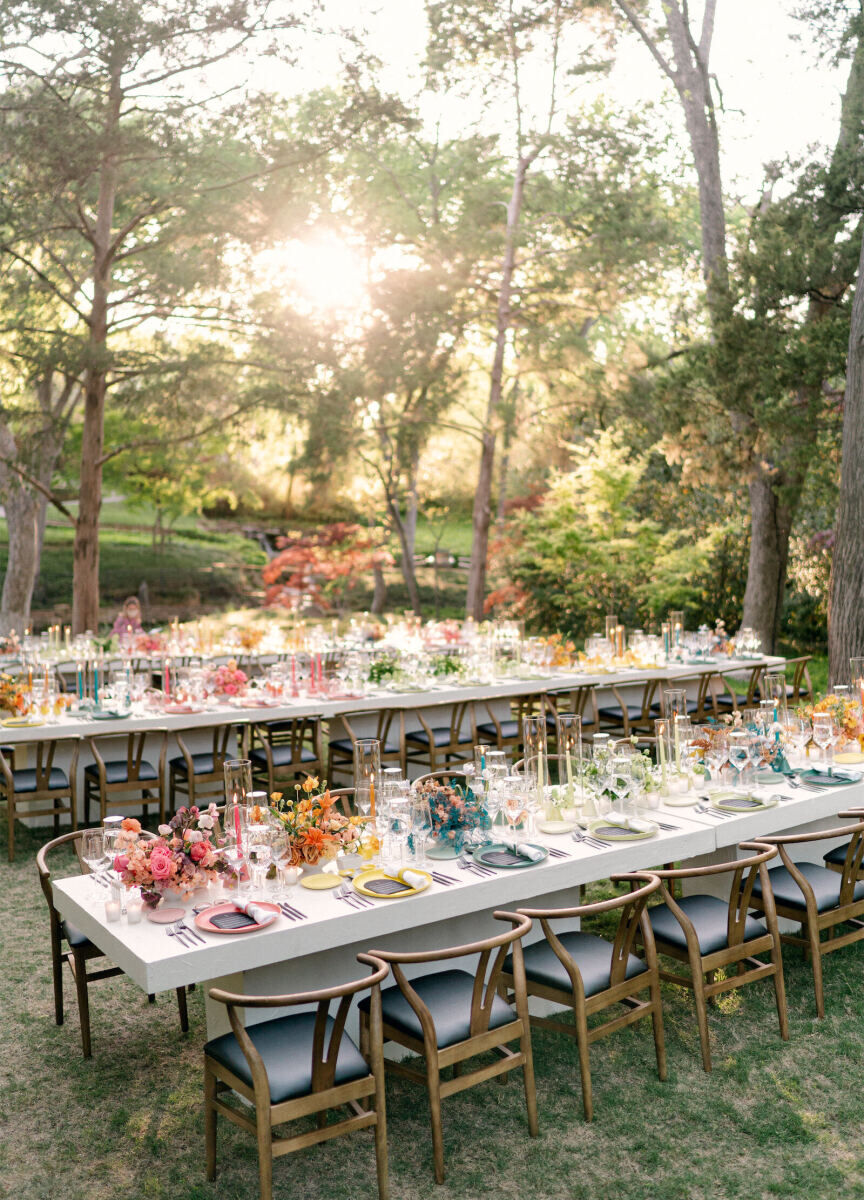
[(619, 780), (823, 733), (717, 754), (674, 703), (421, 827), (515, 802), (367, 766), (739, 751), (93, 854)]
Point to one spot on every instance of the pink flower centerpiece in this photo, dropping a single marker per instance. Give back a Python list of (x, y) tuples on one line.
[(227, 680), (185, 856)]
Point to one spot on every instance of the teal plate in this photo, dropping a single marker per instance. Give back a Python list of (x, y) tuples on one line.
[(501, 856), (108, 716), (822, 779), (441, 850)]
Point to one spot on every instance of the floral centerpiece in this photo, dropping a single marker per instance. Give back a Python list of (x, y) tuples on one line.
[(315, 829), (559, 652), (149, 643), (12, 699), (845, 713), (227, 680), (455, 810), (185, 856)]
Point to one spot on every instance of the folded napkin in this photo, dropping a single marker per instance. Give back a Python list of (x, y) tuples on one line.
[(632, 823), (850, 776), (255, 911), (529, 851), (415, 879)]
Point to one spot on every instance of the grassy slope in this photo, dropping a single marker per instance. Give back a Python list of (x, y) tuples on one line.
[(772, 1120)]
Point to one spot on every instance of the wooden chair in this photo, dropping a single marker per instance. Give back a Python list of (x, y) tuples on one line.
[(389, 730), (49, 788), (505, 733), (629, 718), (436, 746), (111, 782), (283, 751), (581, 700), (589, 974), (79, 949), (818, 897), (297, 1065), (193, 775), (452, 1015), (723, 696), (698, 709), (800, 690), (708, 934)]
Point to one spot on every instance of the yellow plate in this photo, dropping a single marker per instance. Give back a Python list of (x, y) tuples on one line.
[(321, 882), (849, 756), (20, 723), (361, 880), (555, 827)]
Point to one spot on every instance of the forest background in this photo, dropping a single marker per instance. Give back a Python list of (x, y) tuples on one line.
[(492, 307)]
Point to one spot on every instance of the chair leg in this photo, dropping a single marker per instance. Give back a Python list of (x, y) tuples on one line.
[(659, 1035), (80, 972), (433, 1083), (529, 1083), (184, 1012), (584, 1063), (210, 1120), (702, 1018), (265, 1154), (816, 956), (57, 973), (780, 989)]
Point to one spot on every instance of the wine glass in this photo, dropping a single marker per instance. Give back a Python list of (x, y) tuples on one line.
[(515, 806), (739, 751), (93, 853), (823, 733), (619, 779), (421, 826), (717, 754), (260, 855)]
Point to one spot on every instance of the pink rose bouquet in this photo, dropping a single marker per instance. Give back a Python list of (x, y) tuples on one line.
[(227, 680), (186, 855)]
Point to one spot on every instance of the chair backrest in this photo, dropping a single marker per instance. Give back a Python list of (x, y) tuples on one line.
[(632, 906), (744, 872), (325, 1051), (344, 798), (486, 977), (850, 874), (800, 676), (44, 752), (135, 743), (574, 700), (445, 774)]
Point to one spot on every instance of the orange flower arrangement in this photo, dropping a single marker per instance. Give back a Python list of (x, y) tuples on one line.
[(315, 830)]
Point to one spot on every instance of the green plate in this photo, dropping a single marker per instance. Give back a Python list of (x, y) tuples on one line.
[(735, 802), (825, 780), (501, 856), (610, 832), (109, 716), (441, 850)]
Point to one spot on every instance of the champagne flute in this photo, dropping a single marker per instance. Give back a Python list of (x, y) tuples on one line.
[(93, 853)]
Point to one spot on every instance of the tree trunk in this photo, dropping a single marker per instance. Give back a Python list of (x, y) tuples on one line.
[(22, 517), (85, 567), (482, 514), (379, 596), (846, 593), (770, 527)]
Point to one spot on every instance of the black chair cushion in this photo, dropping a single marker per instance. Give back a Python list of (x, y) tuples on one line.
[(592, 956), (285, 1045), (709, 916), (25, 780), (837, 855), (441, 737), (74, 936), (509, 729), (825, 885), (283, 756), (346, 746), (116, 771), (447, 995), (202, 764), (613, 713)]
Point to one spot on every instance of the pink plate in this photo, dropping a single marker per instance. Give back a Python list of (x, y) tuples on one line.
[(165, 916), (203, 919), (182, 708)]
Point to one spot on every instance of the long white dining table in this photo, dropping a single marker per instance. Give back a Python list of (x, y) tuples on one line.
[(321, 949)]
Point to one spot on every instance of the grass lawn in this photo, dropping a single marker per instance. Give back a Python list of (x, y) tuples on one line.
[(773, 1120)]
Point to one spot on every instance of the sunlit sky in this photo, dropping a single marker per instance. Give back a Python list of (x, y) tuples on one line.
[(778, 99)]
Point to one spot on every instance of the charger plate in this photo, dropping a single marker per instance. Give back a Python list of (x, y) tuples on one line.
[(734, 802), (321, 882), (501, 856), (609, 831), (388, 887)]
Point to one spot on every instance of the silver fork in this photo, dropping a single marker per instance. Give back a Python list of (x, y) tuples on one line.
[(349, 897), (174, 932), (193, 933), (594, 843), (468, 864)]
